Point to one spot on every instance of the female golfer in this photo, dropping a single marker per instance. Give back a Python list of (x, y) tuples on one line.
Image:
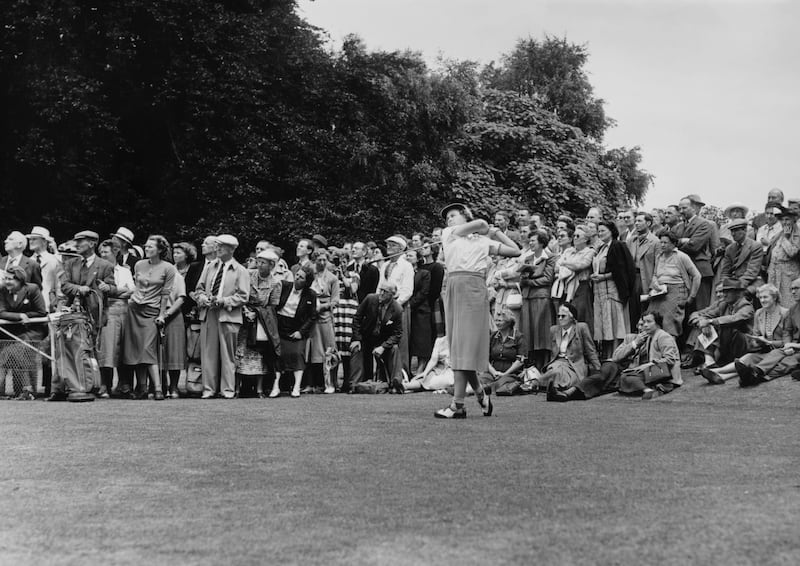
[(466, 255)]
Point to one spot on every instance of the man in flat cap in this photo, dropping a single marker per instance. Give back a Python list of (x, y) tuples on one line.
[(87, 276), (398, 270), (731, 319), (15, 244), (221, 293), (743, 257)]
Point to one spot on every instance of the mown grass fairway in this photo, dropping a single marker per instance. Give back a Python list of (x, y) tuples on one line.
[(706, 475)]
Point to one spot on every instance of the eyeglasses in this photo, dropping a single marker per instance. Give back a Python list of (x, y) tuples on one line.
[(562, 316)]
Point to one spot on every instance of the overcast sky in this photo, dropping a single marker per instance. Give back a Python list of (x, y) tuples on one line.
[(710, 90)]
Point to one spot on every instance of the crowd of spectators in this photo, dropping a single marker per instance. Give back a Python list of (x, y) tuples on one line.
[(591, 306)]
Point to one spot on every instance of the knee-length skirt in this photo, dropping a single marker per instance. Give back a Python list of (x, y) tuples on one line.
[(611, 320), (175, 344), (111, 334), (536, 318), (467, 321), (293, 355), (140, 335), (671, 307), (322, 337)]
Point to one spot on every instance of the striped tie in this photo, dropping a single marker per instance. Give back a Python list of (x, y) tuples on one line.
[(217, 281)]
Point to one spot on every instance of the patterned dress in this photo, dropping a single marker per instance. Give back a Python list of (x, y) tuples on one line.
[(264, 292)]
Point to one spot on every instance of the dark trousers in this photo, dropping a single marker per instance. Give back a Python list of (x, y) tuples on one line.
[(361, 364), (604, 381), (731, 344)]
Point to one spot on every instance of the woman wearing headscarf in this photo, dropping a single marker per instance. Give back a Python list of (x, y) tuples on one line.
[(297, 310), (259, 341), (467, 246), (572, 351), (613, 277), (784, 263), (154, 277), (21, 301)]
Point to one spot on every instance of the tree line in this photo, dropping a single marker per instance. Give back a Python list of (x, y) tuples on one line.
[(197, 116)]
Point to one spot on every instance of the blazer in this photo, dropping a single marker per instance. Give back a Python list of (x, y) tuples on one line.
[(32, 269), (436, 270), (537, 279), (74, 277), (304, 317), (581, 352), (422, 289), (663, 348), (701, 233), (744, 265), (235, 290), (644, 257), (369, 277), (738, 316), (367, 328), (29, 302), (619, 263)]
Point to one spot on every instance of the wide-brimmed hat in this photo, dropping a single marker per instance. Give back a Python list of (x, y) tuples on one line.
[(729, 284), (451, 206), (734, 205), (39, 232), (124, 234)]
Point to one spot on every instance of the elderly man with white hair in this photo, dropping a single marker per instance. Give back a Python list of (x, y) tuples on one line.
[(15, 244), (222, 291), (38, 240)]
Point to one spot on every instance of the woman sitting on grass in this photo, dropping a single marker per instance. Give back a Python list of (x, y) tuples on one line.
[(437, 375), (506, 357)]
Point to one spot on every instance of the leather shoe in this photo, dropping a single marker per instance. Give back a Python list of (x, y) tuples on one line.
[(398, 387), (697, 359), (712, 377), (746, 377), (207, 396), (486, 405), (57, 397)]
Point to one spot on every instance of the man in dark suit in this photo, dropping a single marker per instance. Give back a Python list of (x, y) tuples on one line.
[(696, 239), (743, 256), (377, 331), (15, 244), (368, 273), (86, 277)]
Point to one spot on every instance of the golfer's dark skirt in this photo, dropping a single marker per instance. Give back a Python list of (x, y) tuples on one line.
[(139, 335)]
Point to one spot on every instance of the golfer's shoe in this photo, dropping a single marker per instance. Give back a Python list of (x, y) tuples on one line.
[(450, 412), (486, 405)]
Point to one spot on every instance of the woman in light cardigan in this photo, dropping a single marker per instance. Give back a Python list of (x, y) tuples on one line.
[(577, 261), (676, 274)]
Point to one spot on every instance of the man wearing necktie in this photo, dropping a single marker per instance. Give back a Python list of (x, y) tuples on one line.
[(87, 276), (49, 264), (14, 245), (743, 257), (223, 289)]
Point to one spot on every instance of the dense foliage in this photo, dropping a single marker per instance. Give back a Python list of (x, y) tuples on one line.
[(194, 116)]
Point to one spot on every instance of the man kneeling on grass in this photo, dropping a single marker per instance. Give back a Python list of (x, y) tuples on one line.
[(646, 364)]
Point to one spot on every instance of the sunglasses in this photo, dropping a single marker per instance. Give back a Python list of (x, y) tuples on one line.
[(562, 316)]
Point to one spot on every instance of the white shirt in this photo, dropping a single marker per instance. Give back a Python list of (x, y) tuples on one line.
[(123, 278), (466, 253), (770, 233), (402, 276), (89, 260), (290, 308)]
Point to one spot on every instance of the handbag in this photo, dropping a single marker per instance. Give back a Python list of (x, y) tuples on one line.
[(514, 299)]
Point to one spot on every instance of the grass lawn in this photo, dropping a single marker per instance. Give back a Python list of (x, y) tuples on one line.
[(706, 475)]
